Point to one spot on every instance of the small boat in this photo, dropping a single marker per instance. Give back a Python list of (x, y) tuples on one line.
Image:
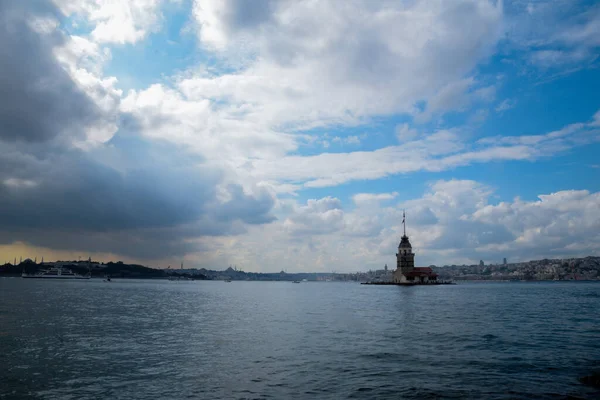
[(227, 280), (296, 281)]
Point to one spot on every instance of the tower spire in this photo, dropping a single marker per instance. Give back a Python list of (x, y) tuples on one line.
[(404, 221)]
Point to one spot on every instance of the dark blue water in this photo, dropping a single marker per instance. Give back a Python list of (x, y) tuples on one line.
[(279, 340)]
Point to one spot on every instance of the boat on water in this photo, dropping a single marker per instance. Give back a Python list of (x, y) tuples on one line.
[(180, 278), (56, 273), (296, 281), (227, 280)]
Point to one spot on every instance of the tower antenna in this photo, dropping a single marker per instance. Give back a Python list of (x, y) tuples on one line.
[(404, 221)]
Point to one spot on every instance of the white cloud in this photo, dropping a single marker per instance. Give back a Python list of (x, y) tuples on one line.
[(317, 217), (551, 225), (585, 30), (453, 222), (114, 21), (298, 65), (20, 183), (361, 199), (292, 66), (405, 133), (219, 20), (485, 93), (314, 64), (308, 66), (79, 52), (478, 117), (219, 132), (552, 58), (84, 61), (456, 96), (557, 34), (596, 119), (453, 96), (506, 104), (439, 151), (44, 25), (353, 140)]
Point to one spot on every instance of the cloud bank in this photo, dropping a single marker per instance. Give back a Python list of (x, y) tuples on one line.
[(234, 158)]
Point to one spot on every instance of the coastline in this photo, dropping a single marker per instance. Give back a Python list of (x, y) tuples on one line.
[(433, 283)]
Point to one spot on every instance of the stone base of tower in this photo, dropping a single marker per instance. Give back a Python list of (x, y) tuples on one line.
[(430, 283), (414, 275), (399, 277)]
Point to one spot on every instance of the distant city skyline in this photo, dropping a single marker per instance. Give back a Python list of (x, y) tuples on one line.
[(292, 135), (587, 268)]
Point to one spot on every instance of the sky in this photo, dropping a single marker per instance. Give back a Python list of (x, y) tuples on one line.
[(291, 135)]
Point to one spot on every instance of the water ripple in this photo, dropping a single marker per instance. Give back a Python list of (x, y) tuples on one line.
[(261, 340)]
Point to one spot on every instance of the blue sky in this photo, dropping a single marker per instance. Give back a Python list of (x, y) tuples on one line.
[(277, 133)]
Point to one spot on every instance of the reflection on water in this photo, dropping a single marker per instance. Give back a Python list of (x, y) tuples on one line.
[(161, 339)]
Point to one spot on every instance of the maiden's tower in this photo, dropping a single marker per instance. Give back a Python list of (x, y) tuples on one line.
[(405, 263)]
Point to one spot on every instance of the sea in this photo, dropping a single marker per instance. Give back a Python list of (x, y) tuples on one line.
[(158, 339)]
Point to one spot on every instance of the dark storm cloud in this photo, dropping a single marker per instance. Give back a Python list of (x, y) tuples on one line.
[(250, 209), (71, 191), (129, 197), (248, 14), (38, 99)]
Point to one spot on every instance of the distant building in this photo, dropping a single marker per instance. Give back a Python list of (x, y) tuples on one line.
[(385, 268), (504, 261), (405, 263), (481, 263)]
